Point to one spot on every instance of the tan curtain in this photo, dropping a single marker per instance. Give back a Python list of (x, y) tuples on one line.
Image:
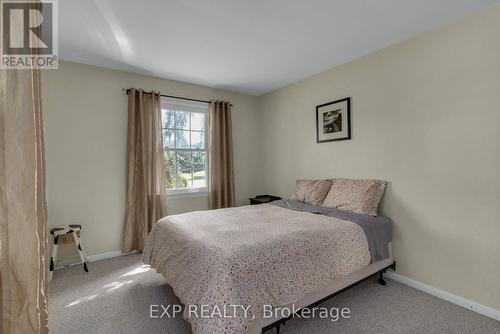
[(220, 160), (146, 193), (23, 209)]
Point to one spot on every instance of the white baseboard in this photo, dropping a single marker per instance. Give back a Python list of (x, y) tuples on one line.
[(108, 255), (75, 260), (461, 301)]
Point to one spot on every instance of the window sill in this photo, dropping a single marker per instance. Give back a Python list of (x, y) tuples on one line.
[(193, 193)]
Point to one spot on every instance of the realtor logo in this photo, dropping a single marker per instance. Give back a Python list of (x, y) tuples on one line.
[(29, 34)]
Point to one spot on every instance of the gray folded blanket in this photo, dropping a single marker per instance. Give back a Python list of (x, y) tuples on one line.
[(378, 229)]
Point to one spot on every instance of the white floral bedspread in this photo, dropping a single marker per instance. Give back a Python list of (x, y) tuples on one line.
[(251, 255)]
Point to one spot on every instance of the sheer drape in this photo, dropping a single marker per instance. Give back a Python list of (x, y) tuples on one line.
[(146, 194), (220, 146), (23, 209)]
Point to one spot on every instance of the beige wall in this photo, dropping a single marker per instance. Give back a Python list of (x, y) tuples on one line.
[(426, 118), (86, 125)]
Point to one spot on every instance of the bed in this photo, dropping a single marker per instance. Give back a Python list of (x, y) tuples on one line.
[(281, 254)]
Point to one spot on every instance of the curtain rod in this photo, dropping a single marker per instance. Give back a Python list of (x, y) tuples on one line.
[(172, 96)]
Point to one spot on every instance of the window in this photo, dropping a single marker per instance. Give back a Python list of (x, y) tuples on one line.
[(184, 127)]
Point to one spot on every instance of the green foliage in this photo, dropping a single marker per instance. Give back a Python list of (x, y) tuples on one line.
[(180, 164), (173, 177)]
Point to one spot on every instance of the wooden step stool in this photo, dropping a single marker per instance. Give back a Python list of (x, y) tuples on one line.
[(63, 236)]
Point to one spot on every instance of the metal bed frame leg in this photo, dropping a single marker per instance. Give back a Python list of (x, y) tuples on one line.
[(381, 278)]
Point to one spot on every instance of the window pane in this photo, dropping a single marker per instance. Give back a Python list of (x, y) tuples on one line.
[(197, 121), (170, 170), (184, 160), (185, 166), (199, 160), (187, 177), (182, 120), (167, 118), (181, 139), (197, 139), (168, 138), (199, 179)]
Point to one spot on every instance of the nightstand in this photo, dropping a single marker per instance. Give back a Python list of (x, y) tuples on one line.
[(261, 199)]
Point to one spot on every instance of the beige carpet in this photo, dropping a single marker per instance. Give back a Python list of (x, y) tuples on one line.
[(115, 297)]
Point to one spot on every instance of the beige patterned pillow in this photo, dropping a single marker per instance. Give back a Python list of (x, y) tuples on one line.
[(311, 191), (359, 196)]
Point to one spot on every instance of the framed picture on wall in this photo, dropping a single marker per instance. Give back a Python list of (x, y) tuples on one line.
[(333, 121)]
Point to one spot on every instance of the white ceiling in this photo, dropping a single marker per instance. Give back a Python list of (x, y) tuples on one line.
[(247, 46)]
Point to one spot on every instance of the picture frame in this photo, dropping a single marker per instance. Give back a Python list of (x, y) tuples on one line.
[(333, 121)]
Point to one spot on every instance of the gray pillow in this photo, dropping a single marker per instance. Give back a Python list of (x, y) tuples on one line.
[(359, 196), (311, 191)]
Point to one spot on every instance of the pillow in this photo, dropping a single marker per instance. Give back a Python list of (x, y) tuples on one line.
[(311, 191), (359, 196)]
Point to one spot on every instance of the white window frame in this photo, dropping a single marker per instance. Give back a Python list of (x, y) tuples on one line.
[(170, 103)]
